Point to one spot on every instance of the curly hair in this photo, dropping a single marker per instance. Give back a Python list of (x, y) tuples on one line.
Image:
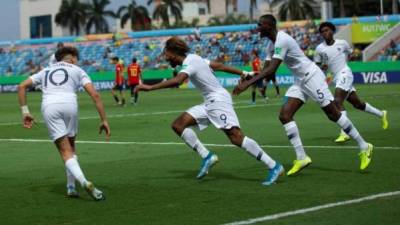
[(63, 51), (177, 45)]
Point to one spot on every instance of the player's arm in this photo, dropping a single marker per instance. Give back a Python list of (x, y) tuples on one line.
[(27, 118), (268, 70), (217, 66), (318, 60), (173, 82), (89, 88)]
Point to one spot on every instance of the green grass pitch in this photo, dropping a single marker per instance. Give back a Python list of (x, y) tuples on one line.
[(148, 175)]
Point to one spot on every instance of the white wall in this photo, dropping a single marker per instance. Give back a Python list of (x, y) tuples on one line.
[(29, 8)]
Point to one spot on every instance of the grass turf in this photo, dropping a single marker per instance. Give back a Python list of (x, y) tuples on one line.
[(155, 184)]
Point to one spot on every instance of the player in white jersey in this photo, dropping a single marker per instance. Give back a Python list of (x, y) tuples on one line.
[(332, 54), (60, 82), (309, 82), (216, 109)]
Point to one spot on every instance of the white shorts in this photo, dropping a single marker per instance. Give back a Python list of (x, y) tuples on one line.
[(314, 87), (344, 80), (61, 120), (220, 114)]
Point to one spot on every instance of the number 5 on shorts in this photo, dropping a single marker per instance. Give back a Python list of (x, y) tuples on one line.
[(320, 94)]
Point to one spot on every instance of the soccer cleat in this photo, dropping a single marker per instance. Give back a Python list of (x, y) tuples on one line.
[(95, 193), (366, 157), (206, 164), (72, 192), (385, 122), (343, 137), (298, 165), (273, 174)]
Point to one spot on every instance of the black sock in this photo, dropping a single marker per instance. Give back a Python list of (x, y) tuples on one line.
[(253, 96), (136, 97), (116, 99), (277, 90)]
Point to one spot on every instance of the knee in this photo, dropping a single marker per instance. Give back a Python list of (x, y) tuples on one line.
[(177, 127), (285, 117), (236, 139)]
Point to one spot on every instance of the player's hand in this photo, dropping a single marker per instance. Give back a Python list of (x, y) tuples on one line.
[(28, 120), (142, 87), (242, 86), (105, 127)]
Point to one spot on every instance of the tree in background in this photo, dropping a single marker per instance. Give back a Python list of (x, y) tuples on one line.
[(295, 9), (138, 15), (96, 15), (71, 15), (162, 9)]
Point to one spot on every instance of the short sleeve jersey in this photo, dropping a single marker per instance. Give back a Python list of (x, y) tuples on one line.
[(203, 78), (334, 56), (119, 74), (286, 49), (134, 72), (60, 82)]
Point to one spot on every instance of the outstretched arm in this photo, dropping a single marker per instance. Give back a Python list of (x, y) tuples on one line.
[(27, 118), (89, 88), (177, 80), (267, 71), (217, 66)]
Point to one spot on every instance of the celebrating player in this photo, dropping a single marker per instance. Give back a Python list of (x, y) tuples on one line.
[(216, 109), (309, 82), (134, 78), (332, 54), (119, 81), (60, 82)]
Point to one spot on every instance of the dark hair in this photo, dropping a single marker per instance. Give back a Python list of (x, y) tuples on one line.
[(134, 60), (177, 46), (115, 58), (60, 45), (255, 52), (270, 18), (327, 24), (62, 52)]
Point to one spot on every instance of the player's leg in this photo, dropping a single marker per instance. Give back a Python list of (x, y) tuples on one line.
[(276, 86), (364, 106), (114, 94), (182, 127), (253, 93), (71, 189), (135, 95), (340, 97), (286, 115), (237, 138), (67, 154), (122, 94)]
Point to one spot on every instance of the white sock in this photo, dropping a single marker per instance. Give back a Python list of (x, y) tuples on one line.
[(341, 130), (255, 150), (294, 137), (348, 127), (70, 177), (190, 138), (73, 167), (370, 109)]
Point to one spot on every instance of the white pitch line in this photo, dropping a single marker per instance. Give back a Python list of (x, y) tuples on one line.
[(141, 114), (181, 143), (313, 209)]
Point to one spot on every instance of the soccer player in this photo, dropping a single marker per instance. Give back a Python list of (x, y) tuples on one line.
[(134, 78), (60, 82), (256, 65), (216, 109), (332, 55), (119, 81), (309, 82)]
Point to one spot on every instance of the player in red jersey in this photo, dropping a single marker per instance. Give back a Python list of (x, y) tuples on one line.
[(119, 81), (134, 78), (256, 65)]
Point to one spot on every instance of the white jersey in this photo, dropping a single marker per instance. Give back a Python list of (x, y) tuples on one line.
[(53, 60), (60, 82), (202, 77), (334, 56), (286, 49)]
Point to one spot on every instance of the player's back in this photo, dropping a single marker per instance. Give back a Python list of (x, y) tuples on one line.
[(60, 82)]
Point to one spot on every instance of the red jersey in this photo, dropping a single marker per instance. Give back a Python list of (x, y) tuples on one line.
[(134, 73), (119, 74), (256, 64)]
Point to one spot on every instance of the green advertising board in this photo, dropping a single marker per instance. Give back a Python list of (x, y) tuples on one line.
[(369, 32)]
